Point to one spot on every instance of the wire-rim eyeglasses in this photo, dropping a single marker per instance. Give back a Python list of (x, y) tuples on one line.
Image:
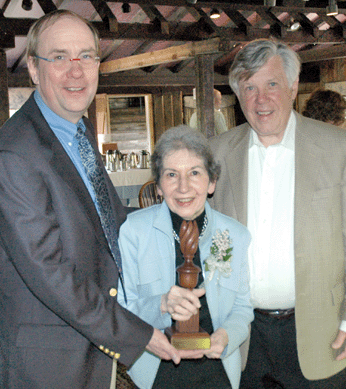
[(62, 62)]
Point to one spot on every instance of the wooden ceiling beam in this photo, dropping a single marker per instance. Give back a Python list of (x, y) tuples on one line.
[(106, 15), (162, 77), (171, 54), (321, 4), (47, 6), (306, 24), (176, 68), (156, 18), (276, 26), (179, 31), (238, 19), (327, 53)]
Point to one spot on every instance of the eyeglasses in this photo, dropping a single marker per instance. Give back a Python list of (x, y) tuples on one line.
[(62, 62)]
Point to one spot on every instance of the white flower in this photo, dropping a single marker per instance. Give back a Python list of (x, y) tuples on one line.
[(220, 256)]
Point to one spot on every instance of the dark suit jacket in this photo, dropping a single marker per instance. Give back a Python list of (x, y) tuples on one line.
[(57, 277), (319, 230)]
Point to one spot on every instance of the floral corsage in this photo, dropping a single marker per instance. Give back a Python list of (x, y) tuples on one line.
[(220, 256)]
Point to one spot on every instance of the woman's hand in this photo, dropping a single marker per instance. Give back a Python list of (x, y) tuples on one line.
[(218, 340), (181, 303)]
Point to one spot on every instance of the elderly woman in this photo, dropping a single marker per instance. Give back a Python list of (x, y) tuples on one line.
[(186, 174)]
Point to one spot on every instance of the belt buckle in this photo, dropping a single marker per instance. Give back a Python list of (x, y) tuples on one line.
[(282, 313), (277, 313)]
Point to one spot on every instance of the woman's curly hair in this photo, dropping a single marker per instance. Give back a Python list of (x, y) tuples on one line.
[(327, 106)]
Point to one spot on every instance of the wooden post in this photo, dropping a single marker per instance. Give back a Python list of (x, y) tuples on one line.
[(204, 65), (4, 99)]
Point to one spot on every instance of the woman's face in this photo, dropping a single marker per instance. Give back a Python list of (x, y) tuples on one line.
[(185, 184)]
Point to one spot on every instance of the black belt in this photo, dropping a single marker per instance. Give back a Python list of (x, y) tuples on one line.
[(277, 313)]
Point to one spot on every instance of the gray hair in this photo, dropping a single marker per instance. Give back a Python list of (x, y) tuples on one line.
[(180, 138), (255, 54)]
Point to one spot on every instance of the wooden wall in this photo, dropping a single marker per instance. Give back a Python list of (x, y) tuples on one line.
[(167, 106), (168, 111), (333, 70)]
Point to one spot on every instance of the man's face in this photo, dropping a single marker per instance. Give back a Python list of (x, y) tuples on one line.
[(266, 100), (68, 92)]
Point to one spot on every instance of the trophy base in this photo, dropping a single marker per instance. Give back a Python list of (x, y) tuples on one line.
[(188, 340)]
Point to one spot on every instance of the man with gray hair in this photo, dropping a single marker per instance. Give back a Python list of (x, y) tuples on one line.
[(283, 175)]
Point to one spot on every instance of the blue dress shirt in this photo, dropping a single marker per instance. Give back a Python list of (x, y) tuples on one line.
[(65, 131)]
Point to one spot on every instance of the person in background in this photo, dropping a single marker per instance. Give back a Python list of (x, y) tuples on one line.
[(186, 173), (219, 119), (327, 106), (284, 176), (61, 324)]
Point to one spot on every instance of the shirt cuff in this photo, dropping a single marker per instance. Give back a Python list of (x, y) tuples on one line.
[(343, 326)]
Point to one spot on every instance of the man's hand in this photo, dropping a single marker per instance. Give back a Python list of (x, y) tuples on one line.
[(160, 346), (218, 342), (338, 343), (181, 303)]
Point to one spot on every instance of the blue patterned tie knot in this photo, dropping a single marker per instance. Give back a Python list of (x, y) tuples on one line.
[(95, 174)]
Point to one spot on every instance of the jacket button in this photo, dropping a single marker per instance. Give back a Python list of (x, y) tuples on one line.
[(113, 292)]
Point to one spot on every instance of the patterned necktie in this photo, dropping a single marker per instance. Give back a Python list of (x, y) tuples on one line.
[(94, 172)]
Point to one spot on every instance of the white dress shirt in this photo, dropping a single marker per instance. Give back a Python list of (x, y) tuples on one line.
[(271, 221)]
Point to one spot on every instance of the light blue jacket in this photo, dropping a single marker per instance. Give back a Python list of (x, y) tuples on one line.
[(148, 255)]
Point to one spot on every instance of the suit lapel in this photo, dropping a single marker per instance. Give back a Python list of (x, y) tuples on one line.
[(307, 167), (237, 169), (62, 164)]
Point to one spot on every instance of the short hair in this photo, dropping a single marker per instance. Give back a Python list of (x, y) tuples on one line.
[(180, 138), (325, 105), (255, 54), (48, 20)]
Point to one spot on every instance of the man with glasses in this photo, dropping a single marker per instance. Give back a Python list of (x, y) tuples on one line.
[(61, 324)]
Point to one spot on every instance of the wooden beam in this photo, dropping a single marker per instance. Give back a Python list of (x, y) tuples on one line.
[(336, 51), (47, 6), (4, 99), (205, 94), (156, 18), (171, 54), (106, 14)]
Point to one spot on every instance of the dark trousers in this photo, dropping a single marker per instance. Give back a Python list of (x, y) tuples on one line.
[(273, 359)]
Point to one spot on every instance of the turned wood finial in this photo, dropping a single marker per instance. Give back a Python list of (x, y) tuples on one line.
[(187, 334), (188, 271)]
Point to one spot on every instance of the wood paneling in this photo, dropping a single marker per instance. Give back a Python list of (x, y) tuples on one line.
[(333, 71), (168, 111)]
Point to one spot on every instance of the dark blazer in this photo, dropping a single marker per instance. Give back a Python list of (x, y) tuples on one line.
[(319, 230), (60, 319)]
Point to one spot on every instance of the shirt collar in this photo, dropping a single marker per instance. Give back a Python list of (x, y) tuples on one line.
[(56, 122), (287, 140)]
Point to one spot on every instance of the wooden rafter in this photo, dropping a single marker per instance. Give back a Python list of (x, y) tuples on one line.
[(106, 14), (171, 54)]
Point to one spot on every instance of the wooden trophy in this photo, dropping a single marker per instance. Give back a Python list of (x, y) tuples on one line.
[(187, 335)]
